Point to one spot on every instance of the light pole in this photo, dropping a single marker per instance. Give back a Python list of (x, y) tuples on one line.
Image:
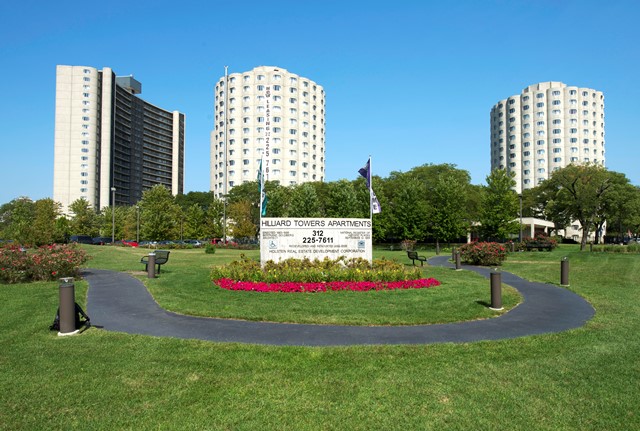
[(113, 215), (138, 223), (520, 196)]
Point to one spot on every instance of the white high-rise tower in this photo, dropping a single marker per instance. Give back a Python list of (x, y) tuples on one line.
[(547, 127), (272, 114)]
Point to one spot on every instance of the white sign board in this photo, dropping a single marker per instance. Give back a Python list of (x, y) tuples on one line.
[(314, 238)]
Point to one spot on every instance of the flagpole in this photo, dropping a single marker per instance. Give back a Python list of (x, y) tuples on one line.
[(224, 188), (370, 189)]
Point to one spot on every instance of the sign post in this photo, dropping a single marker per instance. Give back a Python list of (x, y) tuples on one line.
[(314, 238)]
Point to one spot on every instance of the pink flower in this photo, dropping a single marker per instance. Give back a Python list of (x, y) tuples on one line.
[(296, 287)]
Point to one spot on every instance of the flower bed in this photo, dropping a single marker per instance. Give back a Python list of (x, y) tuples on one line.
[(42, 264), (332, 286), (304, 275)]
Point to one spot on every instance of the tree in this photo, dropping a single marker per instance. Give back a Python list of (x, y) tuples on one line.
[(304, 201), (84, 220), (542, 202), (447, 196), (241, 224), (106, 226), (341, 201), (499, 207), (581, 191), (204, 199), (408, 206), (213, 219), (159, 214), (44, 225), (194, 222), (17, 219)]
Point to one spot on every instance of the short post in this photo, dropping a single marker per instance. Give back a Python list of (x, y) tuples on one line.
[(457, 260), (496, 290), (453, 253), (67, 311), (591, 246), (151, 265), (564, 271), (513, 247)]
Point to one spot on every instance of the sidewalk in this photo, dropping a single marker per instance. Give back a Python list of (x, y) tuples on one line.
[(119, 302)]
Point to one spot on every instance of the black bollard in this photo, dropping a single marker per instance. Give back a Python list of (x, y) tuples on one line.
[(457, 260), (67, 311), (151, 266), (564, 271), (496, 291)]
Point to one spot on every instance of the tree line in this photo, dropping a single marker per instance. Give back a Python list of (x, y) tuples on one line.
[(434, 203)]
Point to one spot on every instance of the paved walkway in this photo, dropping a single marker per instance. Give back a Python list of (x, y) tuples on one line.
[(119, 302)]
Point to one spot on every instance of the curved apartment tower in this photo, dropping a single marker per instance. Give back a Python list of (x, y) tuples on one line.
[(271, 114), (108, 138), (547, 127)]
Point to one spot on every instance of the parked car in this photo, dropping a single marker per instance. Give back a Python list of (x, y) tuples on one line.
[(102, 240), (129, 243), (193, 242), (81, 239)]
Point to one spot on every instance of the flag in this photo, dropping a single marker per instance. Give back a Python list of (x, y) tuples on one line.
[(366, 173), (261, 192)]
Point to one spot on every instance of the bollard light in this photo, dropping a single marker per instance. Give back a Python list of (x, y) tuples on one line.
[(564, 271), (496, 290), (457, 260), (67, 310), (151, 266)]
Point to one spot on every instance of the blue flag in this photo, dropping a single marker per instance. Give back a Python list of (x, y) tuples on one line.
[(366, 173)]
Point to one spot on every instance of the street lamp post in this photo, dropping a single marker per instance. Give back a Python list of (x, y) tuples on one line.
[(113, 215), (138, 223), (520, 196)]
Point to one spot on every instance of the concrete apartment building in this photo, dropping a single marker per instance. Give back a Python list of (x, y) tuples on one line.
[(110, 145), (547, 127), (272, 113)]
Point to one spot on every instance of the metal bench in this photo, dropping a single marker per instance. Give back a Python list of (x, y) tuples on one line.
[(539, 246), (413, 255), (162, 257)]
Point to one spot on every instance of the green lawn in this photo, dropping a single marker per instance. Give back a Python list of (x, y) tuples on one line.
[(584, 379), (184, 287)]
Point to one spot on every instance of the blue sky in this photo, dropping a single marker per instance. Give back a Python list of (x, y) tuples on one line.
[(407, 82)]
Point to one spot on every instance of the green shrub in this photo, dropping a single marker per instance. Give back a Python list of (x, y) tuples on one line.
[(539, 239), (306, 270), (210, 248), (483, 253), (616, 248)]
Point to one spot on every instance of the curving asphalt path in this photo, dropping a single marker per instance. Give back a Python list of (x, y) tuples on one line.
[(119, 302)]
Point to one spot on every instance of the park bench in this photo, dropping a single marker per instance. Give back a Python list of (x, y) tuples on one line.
[(413, 255), (539, 246), (162, 257)]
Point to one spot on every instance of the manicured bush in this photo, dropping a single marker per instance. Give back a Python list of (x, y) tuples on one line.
[(616, 248), (42, 264), (318, 275), (483, 253), (210, 249), (539, 239)]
